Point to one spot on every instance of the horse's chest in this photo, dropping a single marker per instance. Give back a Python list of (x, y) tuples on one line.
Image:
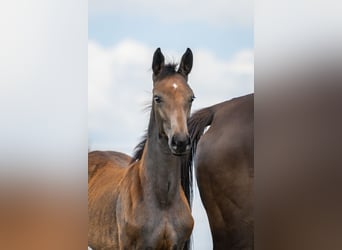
[(158, 229), (169, 231)]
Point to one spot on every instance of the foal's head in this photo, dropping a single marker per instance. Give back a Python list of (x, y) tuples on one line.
[(172, 99)]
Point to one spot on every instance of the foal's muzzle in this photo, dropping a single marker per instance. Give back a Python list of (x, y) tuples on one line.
[(180, 144)]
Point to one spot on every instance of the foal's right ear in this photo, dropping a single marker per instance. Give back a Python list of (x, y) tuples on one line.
[(158, 62), (186, 63)]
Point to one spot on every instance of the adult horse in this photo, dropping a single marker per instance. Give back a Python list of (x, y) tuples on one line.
[(141, 205), (224, 164)]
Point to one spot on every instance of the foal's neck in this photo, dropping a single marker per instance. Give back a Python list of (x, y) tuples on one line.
[(160, 171)]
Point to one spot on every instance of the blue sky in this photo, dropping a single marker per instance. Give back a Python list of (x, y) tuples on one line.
[(122, 38), (222, 40)]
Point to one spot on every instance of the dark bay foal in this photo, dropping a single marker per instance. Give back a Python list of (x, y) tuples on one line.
[(139, 203)]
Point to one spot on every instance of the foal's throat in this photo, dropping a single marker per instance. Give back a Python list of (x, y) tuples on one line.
[(162, 172)]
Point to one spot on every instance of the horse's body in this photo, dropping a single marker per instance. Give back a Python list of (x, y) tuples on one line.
[(224, 164), (105, 172), (138, 203)]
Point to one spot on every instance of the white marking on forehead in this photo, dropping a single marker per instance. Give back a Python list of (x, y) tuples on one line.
[(174, 85)]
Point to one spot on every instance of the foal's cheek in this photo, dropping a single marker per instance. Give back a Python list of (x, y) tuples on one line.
[(188, 113), (163, 124), (164, 118), (167, 128)]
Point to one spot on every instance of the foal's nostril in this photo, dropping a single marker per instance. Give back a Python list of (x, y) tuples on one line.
[(173, 143), (180, 143)]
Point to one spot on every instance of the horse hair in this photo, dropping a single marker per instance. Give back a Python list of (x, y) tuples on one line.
[(196, 125), (167, 70)]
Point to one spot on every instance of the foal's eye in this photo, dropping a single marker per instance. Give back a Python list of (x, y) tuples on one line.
[(192, 98), (157, 99)]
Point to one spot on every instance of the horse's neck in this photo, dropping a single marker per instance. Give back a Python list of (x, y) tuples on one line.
[(160, 172)]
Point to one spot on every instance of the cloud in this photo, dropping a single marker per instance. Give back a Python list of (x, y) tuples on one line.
[(118, 87), (212, 12), (216, 80)]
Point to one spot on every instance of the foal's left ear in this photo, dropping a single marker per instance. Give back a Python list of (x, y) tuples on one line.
[(158, 62), (186, 63)]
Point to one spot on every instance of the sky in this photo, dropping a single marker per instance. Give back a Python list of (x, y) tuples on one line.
[(122, 37)]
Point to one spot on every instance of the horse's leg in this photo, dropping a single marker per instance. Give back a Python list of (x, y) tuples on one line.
[(215, 218), (230, 220)]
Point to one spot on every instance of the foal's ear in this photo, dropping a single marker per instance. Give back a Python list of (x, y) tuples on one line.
[(186, 63), (158, 62)]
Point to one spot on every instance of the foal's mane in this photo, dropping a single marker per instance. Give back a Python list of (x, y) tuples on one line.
[(139, 149)]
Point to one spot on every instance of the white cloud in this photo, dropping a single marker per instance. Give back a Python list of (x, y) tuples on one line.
[(119, 82), (215, 80), (214, 12)]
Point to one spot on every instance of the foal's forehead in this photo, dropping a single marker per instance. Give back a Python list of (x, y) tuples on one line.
[(173, 84)]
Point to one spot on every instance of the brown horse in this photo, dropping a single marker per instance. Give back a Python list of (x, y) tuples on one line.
[(224, 164), (139, 203)]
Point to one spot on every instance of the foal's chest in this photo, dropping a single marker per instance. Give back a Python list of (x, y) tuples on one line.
[(162, 229), (169, 231)]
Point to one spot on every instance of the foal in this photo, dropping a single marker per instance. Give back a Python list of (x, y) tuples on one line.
[(143, 206)]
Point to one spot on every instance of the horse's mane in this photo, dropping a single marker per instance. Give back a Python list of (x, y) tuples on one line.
[(139, 149), (196, 125)]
